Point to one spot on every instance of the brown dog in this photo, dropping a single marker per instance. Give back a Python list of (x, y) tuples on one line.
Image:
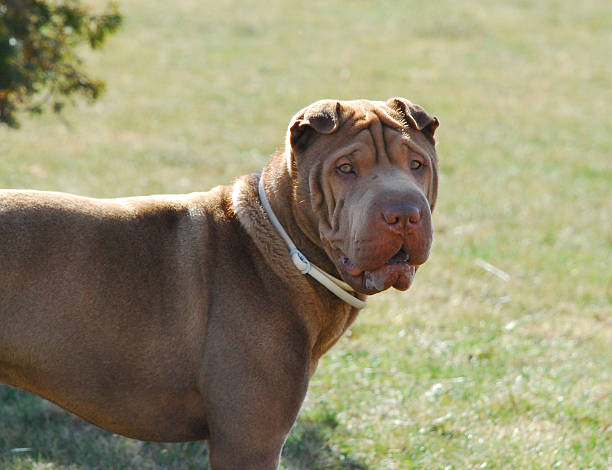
[(175, 318)]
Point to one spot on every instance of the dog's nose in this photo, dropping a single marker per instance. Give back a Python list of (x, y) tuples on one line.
[(401, 215)]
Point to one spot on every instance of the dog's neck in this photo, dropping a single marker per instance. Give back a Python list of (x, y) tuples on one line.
[(338, 287), (333, 315), (303, 232)]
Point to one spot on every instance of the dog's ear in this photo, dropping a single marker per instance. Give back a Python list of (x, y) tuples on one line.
[(322, 117), (415, 116)]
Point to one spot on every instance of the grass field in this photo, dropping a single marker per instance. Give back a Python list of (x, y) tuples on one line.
[(472, 368)]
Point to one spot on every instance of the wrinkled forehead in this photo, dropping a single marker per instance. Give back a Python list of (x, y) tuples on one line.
[(384, 125), (363, 113)]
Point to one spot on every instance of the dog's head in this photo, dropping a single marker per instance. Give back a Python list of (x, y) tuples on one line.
[(365, 181)]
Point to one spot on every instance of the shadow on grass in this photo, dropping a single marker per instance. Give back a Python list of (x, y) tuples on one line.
[(309, 448), (33, 431)]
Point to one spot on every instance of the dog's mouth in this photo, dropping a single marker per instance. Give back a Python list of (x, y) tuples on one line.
[(400, 257), (396, 272)]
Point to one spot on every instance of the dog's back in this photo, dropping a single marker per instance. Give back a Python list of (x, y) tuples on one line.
[(90, 290)]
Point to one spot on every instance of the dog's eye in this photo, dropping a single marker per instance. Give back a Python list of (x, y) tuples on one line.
[(415, 165), (346, 168)]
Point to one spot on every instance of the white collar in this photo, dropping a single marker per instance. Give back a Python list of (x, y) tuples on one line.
[(340, 288)]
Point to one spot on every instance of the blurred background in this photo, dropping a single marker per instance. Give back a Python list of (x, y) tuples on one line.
[(500, 355)]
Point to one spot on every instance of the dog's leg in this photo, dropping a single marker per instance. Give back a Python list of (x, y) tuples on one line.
[(257, 388), (253, 416), (223, 457), (251, 434)]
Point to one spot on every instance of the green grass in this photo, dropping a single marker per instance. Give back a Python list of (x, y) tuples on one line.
[(466, 370)]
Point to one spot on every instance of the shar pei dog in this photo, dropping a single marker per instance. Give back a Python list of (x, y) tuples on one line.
[(203, 316)]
